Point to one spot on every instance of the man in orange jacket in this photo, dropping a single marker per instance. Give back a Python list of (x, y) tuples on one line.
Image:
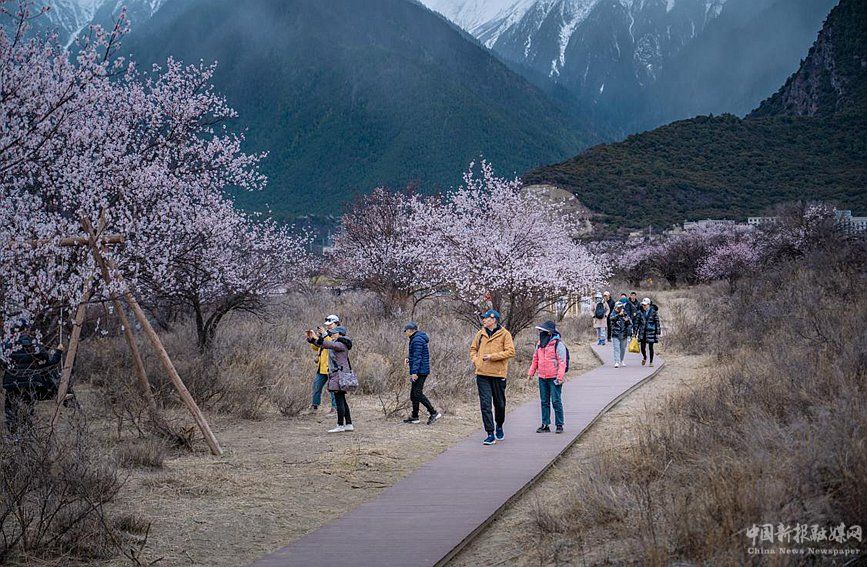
[(490, 351)]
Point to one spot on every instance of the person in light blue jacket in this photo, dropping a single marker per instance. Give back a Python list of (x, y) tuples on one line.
[(418, 361)]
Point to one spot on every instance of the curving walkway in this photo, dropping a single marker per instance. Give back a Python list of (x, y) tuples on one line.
[(427, 517)]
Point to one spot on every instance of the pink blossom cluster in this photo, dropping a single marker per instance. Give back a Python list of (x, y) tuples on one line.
[(731, 260), (92, 137), (489, 242), (701, 254), (381, 247)]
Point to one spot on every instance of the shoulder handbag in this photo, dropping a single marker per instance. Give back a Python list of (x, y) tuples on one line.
[(347, 381)]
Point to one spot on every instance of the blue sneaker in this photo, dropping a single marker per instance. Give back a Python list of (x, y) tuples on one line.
[(489, 440), (500, 434)]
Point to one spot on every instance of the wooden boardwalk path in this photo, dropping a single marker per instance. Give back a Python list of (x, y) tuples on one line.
[(427, 517)]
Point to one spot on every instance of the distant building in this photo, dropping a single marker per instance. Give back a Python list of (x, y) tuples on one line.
[(707, 223), (841, 216), (756, 221), (853, 224)]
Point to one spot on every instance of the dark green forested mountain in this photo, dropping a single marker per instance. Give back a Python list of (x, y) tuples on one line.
[(345, 95), (807, 141)]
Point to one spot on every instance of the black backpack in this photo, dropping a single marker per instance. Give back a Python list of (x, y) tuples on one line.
[(600, 311), (567, 354)]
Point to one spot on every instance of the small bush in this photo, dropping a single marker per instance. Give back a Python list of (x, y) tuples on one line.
[(685, 327), (54, 489), (142, 453), (131, 524), (291, 397)]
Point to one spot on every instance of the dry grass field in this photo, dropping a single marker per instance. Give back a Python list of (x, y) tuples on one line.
[(282, 474)]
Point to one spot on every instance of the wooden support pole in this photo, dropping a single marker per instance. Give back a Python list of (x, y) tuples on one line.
[(71, 241), (185, 395), (72, 350), (85, 241), (144, 385), (157, 345), (94, 240)]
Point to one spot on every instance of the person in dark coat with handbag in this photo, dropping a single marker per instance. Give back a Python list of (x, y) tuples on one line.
[(338, 362), (418, 361), (621, 330), (648, 329)]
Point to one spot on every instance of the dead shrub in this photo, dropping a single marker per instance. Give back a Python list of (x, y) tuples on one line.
[(776, 434), (142, 453), (53, 493), (131, 524), (683, 330), (248, 385)]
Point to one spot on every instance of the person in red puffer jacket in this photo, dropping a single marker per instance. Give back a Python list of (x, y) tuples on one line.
[(550, 361)]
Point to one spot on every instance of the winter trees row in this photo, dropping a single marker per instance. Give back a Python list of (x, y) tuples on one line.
[(90, 137), (488, 244)]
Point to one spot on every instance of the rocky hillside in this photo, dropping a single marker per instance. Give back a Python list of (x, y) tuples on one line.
[(833, 77), (807, 142), (636, 64)]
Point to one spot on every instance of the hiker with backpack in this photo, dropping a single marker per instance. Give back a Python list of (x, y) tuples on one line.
[(648, 329), (629, 306), (609, 301), (600, 319), (341, 379), (490, 351), (418, 361), (551, 362)]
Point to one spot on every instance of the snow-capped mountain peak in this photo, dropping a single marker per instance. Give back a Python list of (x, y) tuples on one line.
[(554, 37), (71, 17), (473, 15)]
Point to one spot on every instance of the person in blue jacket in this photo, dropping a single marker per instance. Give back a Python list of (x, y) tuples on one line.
[(418, 362)]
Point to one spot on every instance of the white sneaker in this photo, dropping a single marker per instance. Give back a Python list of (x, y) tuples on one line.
[(616, 365), (623, 363), (338, 429), (349, 427)]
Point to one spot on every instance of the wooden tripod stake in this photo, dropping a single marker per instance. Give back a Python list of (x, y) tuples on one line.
[(69, 360), (95, 241), (144, 386)]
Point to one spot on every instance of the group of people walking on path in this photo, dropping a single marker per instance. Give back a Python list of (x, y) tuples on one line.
[(624, 321), (490, 351)]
